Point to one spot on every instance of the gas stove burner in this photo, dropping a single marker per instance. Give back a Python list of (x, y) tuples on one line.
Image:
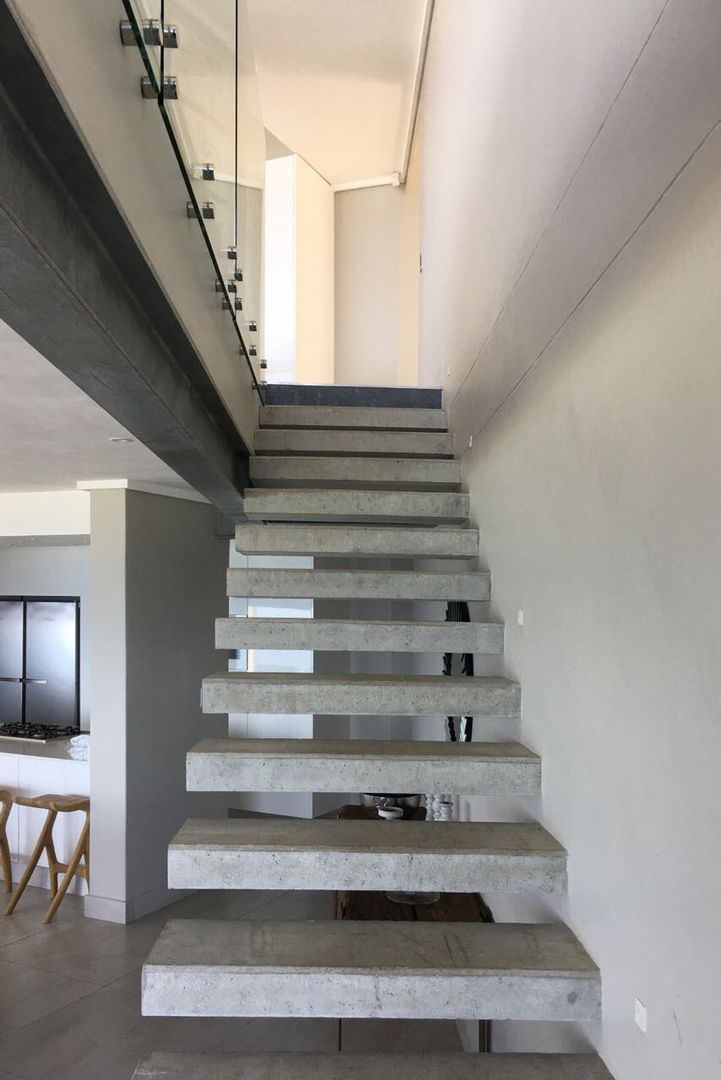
[(36, 732)]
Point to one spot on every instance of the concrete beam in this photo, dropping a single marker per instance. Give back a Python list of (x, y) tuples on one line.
[(76, 286)]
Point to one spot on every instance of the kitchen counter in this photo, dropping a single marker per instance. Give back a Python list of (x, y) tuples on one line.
[(31, 768), (57, 749)]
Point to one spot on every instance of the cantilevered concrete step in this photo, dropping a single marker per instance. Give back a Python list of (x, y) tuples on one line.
[(370, 969), (359, 635), (360, 695), (407, 444), (184, 1065), (385, 541), (423, 474), (472, 768), (365, 584), (454, 856), (313, 504), (344, 416)]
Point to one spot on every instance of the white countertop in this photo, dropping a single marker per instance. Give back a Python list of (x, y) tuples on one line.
[(56, 748)]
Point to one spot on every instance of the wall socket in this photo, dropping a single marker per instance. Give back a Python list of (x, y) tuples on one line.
[(520, 616), (641, 1016)]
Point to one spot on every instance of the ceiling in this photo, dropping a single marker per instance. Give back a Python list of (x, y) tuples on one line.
[(337, 80), (52, 434)]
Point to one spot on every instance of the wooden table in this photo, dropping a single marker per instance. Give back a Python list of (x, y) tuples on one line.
[(451, 907)]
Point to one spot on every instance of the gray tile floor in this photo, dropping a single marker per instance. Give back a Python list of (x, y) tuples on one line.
[(70, 994)]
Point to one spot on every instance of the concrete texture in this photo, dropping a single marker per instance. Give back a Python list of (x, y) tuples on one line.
[(300, 1066), (450, 856), (421, 474), (359, 584), (358, 695), (496, 768), (339, 416), (359, 635), (369, 443), (308, 504), (362, 540), (370, 969)]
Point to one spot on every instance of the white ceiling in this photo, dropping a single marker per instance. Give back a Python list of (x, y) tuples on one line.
[(52, 434), (337, 79)]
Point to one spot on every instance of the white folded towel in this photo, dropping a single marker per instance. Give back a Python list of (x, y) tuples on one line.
[(79, 748)]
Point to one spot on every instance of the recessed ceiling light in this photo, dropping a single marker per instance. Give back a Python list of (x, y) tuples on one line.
[(120, 438)]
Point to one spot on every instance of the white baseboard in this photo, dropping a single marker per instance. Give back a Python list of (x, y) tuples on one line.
[(108, 909)]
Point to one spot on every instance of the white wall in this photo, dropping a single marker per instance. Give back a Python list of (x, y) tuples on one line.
[(45, 513), (572, 232), (158, 578), (377, 255), (597, 491), (298, 293)]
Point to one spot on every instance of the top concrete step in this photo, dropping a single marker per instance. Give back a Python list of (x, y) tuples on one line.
[(344, 968), (353, 443), (340, 416), (372, 397), (360, 541), (301, 1065)]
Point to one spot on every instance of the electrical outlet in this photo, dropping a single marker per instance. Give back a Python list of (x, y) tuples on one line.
[(470, 441), (641, 1016), (520, 616), (448, 373)]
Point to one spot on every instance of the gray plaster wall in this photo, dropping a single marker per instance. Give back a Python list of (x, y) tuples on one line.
[(597, 491), (158, 574), (40, 570)]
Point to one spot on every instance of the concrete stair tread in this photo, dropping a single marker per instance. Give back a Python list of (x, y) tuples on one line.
[(359, 635), (354, 443), (353, 749), (361, 472), (368, 584), (348, 968), (238, 853), (323, 835), (320, 504), (506, 768), (358, 540), (358, 695), (302, 1065), (352, 416)]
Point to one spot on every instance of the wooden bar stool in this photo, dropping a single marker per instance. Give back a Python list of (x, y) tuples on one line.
[(55, 804), (6, 805)]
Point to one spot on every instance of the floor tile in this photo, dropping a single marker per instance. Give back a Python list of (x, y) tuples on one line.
[(27, 995)]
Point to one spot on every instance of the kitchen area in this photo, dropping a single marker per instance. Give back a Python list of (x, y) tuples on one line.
[(43, 747)]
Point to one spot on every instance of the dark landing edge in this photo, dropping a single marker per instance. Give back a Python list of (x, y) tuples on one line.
[(372, 397)]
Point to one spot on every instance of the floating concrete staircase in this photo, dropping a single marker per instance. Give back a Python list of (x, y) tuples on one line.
[(356, 483)]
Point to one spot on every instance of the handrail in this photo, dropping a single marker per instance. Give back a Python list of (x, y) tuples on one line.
[(159, 90)]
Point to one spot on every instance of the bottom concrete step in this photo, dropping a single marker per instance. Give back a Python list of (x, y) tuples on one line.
[(305, 1066), (443, 971)]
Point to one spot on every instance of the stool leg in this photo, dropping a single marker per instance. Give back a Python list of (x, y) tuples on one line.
[(45, 832), (53, 865), (80, 850), (6, 864)]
